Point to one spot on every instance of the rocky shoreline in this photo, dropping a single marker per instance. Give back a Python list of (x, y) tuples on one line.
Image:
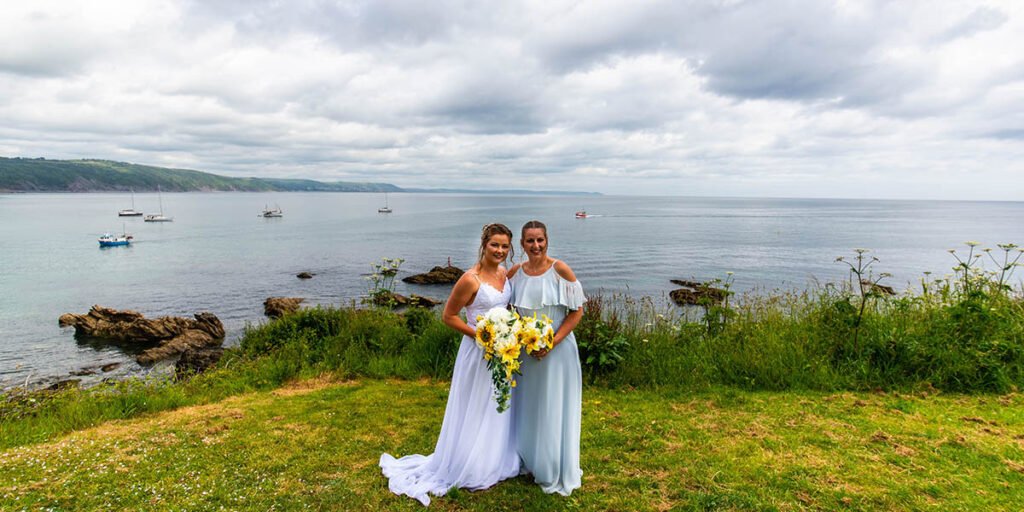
[(179, 347)]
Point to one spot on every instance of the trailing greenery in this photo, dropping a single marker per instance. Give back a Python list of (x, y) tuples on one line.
[(42, 175), (314, 444)]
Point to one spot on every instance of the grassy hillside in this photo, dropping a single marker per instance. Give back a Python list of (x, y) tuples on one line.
[(315, 444), (41, 175)]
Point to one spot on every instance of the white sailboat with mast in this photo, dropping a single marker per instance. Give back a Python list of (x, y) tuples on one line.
[(385, 208), (130, 212), (159, 217)]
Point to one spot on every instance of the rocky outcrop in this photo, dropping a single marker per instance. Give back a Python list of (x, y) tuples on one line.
[(396, 300), (171, 335), (276, 307), (305, 275), (437, 275), (197, 360), (880, 289), (64, 384), (694, 293)]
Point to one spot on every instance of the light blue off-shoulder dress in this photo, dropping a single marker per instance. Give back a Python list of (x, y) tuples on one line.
[(547, 402)]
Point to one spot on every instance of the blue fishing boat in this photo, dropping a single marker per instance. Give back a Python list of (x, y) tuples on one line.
[(110, 240)]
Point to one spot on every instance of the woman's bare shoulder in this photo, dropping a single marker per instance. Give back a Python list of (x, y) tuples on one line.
[(469, 281), (512, 271), (563, 270)]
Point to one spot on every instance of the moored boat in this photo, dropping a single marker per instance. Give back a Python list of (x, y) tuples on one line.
[(385, 208), (158, 217), (130, 212), (110, 240), (270, 213)]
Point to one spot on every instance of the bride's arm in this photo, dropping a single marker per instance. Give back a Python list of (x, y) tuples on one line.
[(461, 295)]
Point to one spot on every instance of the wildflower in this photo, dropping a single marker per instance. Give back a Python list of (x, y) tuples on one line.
[(972, 243)]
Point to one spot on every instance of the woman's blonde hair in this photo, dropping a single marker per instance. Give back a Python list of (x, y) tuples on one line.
[(496, 229)]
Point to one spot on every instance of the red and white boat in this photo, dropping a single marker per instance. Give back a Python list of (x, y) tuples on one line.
[(582, 214)]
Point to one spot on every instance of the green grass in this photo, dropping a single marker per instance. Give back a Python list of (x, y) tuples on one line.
[(315, 445), (775, 402)]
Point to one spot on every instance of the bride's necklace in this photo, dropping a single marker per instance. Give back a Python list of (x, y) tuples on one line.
[(494, 276)]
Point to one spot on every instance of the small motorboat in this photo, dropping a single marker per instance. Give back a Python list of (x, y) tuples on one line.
[(582, 214), (272, 213)]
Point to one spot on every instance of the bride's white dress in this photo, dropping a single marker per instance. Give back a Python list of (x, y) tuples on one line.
[(476, 448)]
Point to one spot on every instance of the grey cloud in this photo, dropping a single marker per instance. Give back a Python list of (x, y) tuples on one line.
[(350, 24), (979, 20)]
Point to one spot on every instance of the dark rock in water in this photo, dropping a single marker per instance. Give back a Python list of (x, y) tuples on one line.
[(171, 335), (110, 367), (305, 275), (197, 360), (420, 301), (276, 307), (881, 289), (64, 384), (437, 275), (396, 300), (694, 293)]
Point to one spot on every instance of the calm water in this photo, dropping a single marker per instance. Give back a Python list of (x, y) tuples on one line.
[(218, 255)]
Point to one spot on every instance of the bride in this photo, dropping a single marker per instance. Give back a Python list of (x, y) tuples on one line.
[(476, 448)]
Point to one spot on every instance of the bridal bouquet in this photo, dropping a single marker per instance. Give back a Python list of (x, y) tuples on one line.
[(536, 334), (503, 335)]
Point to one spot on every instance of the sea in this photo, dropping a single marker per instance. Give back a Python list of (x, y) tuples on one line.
[(220, 255)]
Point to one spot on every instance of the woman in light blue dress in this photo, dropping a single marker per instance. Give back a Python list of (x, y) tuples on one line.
[(547, 403), (475, 448)]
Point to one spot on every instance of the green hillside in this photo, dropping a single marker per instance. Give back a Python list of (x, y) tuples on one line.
[(42, 175)]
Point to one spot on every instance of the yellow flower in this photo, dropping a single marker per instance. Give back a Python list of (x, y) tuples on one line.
[(485, 335), (509, 352)]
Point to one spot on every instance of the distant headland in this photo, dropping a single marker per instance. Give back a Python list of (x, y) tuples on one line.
[(88, 175)]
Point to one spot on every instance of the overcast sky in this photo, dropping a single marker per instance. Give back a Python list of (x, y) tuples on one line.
[(886, 99)]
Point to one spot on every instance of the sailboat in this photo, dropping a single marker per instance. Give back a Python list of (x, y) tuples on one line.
[(160, 216), (270, 213), (109, 240), (385, 208), (130, 212)]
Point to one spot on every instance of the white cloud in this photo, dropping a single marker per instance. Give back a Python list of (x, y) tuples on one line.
[(843, 99)]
